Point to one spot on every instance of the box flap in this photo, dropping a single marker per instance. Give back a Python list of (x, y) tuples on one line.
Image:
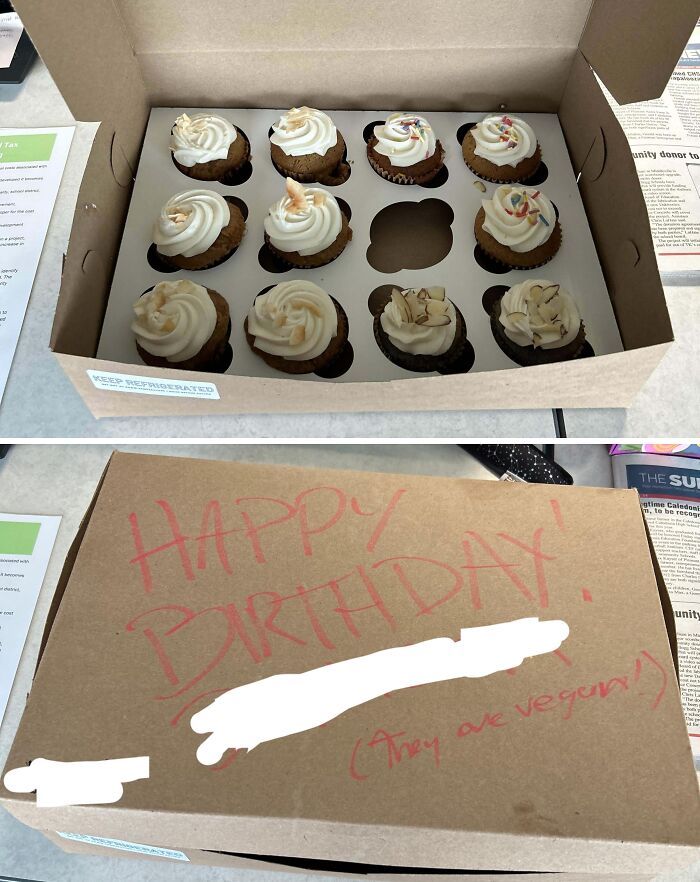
[(616, 210), (198, 577), (634, 46)]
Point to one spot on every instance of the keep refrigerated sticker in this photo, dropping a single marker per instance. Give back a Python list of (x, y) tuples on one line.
[(108, 381)]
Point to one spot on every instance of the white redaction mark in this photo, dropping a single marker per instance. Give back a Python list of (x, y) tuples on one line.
[(77, 783), (284, 704)]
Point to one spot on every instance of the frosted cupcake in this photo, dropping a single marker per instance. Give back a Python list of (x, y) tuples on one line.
[(503, 149), (296, 327), (538, 322), (306, 146), (405, 150), (306, 228), (419, 329), (182, 325), (198, 229), (518, 227), (207, 147)]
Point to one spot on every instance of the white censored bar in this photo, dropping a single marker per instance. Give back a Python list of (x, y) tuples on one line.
[(285, 704), (77, 783)]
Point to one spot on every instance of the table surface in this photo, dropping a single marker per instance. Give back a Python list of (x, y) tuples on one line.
[(60, 479), (40, 401)]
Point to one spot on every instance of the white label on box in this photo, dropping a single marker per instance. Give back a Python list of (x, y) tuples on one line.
[(150, 386), (153, 850)]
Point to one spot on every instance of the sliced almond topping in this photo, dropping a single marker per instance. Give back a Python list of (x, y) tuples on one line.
[(550, 291), (319, 199), (436, 321), (399, 301), (435, 307), (168, 325), (422, 320), (279, 320), (297, 197), (436, 293)]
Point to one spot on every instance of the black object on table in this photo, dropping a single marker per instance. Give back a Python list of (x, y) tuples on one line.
[(25, 53), (523, 462)]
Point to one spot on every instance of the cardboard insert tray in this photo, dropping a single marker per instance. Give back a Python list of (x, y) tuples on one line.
[(191, 578), (403, 236), (116, 60)]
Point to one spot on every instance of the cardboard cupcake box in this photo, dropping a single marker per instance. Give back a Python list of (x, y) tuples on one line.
[(403, 236), (479, 679), (332, 55)]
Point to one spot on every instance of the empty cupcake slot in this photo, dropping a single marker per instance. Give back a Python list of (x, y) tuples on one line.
[(410, 235), (463, 129), (487, 262), (340, 365)]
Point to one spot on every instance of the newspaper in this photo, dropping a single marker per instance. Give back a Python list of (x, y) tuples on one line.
[(669, 488), (664, 136)]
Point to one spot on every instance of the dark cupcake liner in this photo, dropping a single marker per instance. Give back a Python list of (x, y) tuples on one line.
[(402, 178), (423, 363)]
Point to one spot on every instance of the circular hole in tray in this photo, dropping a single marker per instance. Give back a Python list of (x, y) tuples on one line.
[(368, 131), (379, 298), (587, 351), (464, 364), (463, 129), (270, 262), (225, 361), (239, 203), (439, 179), (340, 365), (539, 177), (488, 263), (264, 291), (344, 207), (491, 295), (156, 262)]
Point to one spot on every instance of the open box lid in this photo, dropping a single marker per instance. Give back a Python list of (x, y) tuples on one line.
[(196, 577), (110, 59)]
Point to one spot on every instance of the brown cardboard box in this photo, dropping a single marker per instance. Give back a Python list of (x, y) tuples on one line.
[(194, 577), (114, 59)]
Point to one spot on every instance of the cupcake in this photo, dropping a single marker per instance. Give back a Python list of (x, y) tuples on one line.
[(404, 150), (502, 149), (296, 327), (419, 329), (306, 228), (183, 325), (198, 229), (537, 322), (306, 146), (518, 227), (207, 147)]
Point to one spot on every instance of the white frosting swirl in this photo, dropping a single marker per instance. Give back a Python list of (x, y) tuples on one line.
[(405, 138), (174, 320), (504, 140), (201, 137), (307, 220), (420, 321), (295, 319), (190, 222), (539, 313), (304, 130), (519, 217)]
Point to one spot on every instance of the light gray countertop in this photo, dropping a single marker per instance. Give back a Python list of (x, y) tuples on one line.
[(60, 479), (39, 400)]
